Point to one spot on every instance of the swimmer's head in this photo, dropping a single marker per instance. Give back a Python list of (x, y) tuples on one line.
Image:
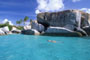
[(52, 41)]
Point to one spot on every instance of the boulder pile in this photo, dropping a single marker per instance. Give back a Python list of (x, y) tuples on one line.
[(63, 23)]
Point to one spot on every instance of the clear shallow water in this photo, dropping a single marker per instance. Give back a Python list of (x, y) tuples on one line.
[(29, 47)]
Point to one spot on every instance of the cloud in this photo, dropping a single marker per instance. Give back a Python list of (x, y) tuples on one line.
[(86, 10), (6, 20), (37, 11), (49, 6), (76, 0)]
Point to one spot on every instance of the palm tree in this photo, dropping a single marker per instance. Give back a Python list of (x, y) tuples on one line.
[(21, 21), (18, 22), (31, 21), (25, 19)]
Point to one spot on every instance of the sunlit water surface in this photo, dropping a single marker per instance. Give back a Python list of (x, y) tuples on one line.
[(29, 47)]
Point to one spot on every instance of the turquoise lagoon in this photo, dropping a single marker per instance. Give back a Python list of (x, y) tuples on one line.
[(29, 47)]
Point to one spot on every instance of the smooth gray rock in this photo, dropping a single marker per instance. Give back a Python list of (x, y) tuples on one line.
[(5, 29), (39, 27), (30, 32), (15, 30), (27, 27), (73, 20), (61, 31), (63, 18), (2, 32), (87, 29)]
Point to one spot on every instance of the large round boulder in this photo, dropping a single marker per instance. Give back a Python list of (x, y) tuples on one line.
[(39, 27), (30, 32), (2, 32), (15, 30), (27, 27), (61, 31)]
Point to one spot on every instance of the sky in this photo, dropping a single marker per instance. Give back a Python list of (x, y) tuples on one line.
[(14, 10)]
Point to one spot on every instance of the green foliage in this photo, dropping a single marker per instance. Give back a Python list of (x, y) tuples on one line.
[(26, 18), (6, 24), (21, 20), (10, 27), (20, 27), (31, 20), (2, 25), (17, 22)]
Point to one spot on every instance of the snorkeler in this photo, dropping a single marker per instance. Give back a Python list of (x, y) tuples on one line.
[(53, 41)]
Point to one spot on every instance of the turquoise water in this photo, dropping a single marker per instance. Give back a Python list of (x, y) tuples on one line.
[(29, 47)]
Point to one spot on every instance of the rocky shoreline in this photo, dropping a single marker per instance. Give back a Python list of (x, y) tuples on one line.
[(5, 31), (64, 23)]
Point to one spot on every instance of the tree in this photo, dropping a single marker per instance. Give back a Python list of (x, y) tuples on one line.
[(31, 21), (25, 19), (18, 22), (7, 23), (21, 21)]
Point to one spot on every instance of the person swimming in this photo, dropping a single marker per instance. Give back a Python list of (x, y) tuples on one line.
[(53, 41)]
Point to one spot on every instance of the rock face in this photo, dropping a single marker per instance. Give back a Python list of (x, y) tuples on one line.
[(35, 29), (61, 32), (1, 32), (27, 27), (64, 18), (15, 30), (35, 25), (87, 29), (5, 29), (73, 20)]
